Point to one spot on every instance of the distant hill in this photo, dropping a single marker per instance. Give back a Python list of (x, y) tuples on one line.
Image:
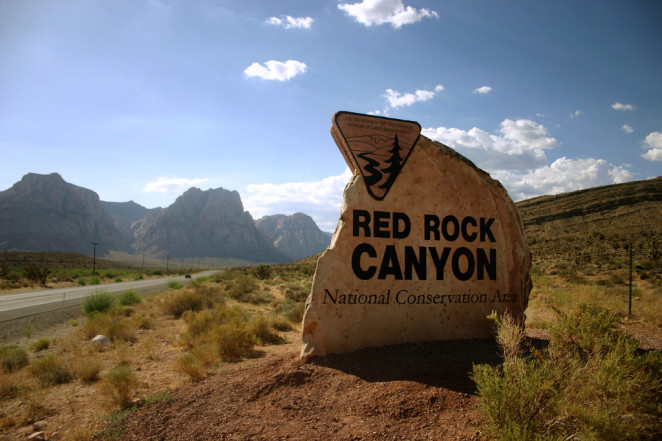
[(45, 213), (594, 220), (296, 236)]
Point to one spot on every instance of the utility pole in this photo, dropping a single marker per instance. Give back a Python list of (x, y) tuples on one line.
[(167, 262), (94, 258)]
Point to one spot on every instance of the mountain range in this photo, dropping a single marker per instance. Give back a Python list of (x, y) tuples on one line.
[(46, 213)]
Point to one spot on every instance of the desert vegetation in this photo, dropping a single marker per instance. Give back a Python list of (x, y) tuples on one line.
[(154, 344), (589, 382)]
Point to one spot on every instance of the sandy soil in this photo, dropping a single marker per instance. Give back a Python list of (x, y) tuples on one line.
[(412, 392)]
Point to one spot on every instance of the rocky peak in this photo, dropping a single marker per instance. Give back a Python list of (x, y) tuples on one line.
[(297, 236)]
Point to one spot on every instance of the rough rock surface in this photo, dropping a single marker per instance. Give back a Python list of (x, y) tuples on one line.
[(370, 291), (209, 223), (45, 213)]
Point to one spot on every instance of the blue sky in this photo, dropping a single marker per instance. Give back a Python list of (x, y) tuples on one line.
[(140, 100)]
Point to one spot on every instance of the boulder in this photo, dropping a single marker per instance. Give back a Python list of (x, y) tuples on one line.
[(428, 261), (101, 341)]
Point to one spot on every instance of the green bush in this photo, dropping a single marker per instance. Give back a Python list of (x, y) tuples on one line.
[(40, 344), (49, 371), (129, 298), (12, 358), (262, 272), (99, 301), (95, 280), (174, 284), (591, 382)]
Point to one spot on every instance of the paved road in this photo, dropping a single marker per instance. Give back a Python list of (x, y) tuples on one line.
[(25, 304)]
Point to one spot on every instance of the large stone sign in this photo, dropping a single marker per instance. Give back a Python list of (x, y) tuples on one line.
[(427, 245)]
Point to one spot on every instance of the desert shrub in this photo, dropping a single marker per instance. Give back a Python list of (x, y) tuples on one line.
[(262, 272), (35, 274), (296, 291), (143, 322), (94, 280), (40, 344), (256, 298), (121, 330), (589, 383), (233, 340), (186, 301), (227, 275), (129, 298), (291, 310), (96, 324), (211, 294), (50, 371), (156, 272), (203, 322), (28, 329), (262, 328), (119, 385), (12, 358), (87, 369), (8, 387), (190, 365), (174, 284), (99, 301), (81, 282), (240, 286), (281, 324)]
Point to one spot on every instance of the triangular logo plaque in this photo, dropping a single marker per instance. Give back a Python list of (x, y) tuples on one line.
[(378, 147)]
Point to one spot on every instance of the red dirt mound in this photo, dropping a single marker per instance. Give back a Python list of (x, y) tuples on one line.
[(412, 392)]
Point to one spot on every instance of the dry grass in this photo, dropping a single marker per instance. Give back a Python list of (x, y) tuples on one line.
[(151, 350)]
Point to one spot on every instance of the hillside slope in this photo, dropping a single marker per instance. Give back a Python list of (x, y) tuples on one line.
[(594, 220)]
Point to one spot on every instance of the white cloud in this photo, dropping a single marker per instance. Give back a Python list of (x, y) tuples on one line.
[(654, 140), (397, 99), (276, 70), (520, 146), (562, 176), (619, 106), (165, 184), (320, 199), (576, 113), (378, 12), (291, 22), (627, 129), (483, 90)]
